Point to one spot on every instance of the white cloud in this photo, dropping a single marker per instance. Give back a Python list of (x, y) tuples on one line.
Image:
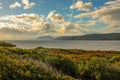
[(45, 27), (56, 17), (15, 5), (69, 28), (70, 15), (1, 6), (15, 33), (109, 14), (32, 16), (23, 18), (115, 3), (29, 25), (36, 25), (26, 20), (81, 6), (28, 4), (41, 1)]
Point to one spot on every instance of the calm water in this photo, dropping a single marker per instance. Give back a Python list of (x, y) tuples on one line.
[(75, 44)]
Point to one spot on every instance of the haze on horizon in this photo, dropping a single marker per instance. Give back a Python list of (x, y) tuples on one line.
[(28, 19)]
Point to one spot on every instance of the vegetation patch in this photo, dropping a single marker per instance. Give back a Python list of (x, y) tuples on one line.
[(58, 64), (2, 43)]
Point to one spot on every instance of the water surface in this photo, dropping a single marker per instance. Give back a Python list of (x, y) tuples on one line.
[(69, 44)]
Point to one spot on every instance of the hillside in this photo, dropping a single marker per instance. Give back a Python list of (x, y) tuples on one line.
[(58, 64), (110, 36), (45, 38), (6, 44)]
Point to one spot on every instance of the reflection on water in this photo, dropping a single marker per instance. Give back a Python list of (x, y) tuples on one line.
[(69, 44)]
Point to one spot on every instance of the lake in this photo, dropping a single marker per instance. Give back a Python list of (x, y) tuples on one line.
[(69, 44)]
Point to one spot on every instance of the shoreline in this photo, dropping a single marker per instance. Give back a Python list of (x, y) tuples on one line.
[(84, 45)]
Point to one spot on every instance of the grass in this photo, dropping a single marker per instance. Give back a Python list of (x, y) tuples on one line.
[(58, 64)]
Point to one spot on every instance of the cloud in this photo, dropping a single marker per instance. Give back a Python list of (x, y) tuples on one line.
[(115, 3), (1, 6), (12, 30), (24, 25), (32, 25), (45, 27), (41, 1), (15, 33), (23, 18), (15, 5), (38, 25), (70, 15), (28, 4), (28, 20), (81, 6), (32, 16), (69, 28), (56, 17), (108, 14)]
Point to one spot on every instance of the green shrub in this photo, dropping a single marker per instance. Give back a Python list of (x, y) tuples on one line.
[(12, 68), (98, 69), (64, 65), (114, 59), (95, 69), (44, 64)]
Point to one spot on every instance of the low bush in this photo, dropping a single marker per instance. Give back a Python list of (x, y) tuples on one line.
[(114, 59), (98, 69), (64, 65)]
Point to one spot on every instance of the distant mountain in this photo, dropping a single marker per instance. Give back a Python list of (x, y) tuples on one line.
[(45, 38), (109, 36)]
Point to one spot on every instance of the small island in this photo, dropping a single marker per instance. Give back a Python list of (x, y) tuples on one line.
[(57, 64)]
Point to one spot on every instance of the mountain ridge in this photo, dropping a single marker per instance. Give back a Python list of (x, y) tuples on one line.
[(45, 38), (108, 36)]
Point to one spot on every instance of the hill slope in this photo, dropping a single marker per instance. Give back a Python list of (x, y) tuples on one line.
[(109, 36), (58, 64), (45, 38)]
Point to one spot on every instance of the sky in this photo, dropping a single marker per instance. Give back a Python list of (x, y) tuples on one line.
[(28, 19)]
